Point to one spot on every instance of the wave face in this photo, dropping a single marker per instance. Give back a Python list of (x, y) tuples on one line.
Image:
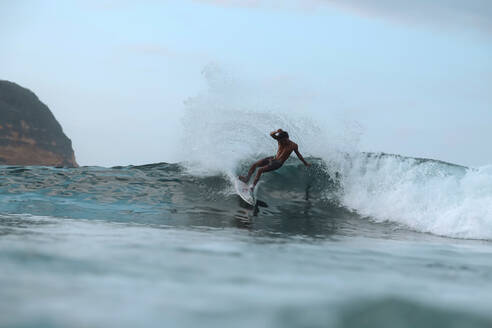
[(291, 199), (342, 196)]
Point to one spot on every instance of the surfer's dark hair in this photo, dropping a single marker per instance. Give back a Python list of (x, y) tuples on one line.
[(283, 135)]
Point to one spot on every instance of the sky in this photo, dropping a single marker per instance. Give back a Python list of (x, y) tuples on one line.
[(415, 76)]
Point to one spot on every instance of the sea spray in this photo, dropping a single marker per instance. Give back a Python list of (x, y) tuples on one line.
[(230, 122)]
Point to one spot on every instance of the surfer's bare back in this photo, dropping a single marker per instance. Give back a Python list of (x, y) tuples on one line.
[(267, 164)]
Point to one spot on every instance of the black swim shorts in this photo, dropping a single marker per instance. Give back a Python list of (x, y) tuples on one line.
[(270, 163)]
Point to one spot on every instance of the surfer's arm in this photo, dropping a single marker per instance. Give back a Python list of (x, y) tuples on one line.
[(296, 150), (273, 134)]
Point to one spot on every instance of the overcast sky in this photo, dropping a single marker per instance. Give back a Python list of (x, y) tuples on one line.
[(416, 76)]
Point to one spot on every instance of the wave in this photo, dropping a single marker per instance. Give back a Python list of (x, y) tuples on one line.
[(423, 195)]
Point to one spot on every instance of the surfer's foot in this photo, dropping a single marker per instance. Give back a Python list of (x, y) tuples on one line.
[(243, 179)]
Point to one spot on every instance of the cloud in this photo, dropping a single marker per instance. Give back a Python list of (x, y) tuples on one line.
[(475, 14), (457, 14)]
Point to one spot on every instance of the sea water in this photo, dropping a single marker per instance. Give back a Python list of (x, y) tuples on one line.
[(158, 246)]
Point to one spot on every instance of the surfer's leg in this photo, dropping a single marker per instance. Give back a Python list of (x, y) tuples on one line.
[(274, 165), (260, 163)]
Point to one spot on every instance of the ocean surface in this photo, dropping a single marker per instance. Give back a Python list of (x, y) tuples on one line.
[(374, 241)]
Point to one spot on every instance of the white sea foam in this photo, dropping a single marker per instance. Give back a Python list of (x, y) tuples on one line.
[(427, 196)]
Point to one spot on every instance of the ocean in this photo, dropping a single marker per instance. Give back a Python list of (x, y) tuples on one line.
[(361, 240)]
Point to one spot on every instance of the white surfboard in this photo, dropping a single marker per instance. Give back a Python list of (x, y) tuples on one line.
[(244, 191)]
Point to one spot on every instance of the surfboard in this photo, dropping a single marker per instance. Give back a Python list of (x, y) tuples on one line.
[(244, 191)]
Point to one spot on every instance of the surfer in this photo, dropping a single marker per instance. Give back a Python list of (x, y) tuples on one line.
[(267, 164)]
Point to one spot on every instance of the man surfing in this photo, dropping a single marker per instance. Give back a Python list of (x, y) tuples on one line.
[(267, 164)]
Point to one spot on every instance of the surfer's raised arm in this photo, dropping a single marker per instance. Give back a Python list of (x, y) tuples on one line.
[(296, 150), (273, 134)]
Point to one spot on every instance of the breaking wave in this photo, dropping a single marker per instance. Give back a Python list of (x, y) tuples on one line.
[(423, 195)]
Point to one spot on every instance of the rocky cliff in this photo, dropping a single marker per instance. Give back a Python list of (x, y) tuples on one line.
[(29, 133)]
